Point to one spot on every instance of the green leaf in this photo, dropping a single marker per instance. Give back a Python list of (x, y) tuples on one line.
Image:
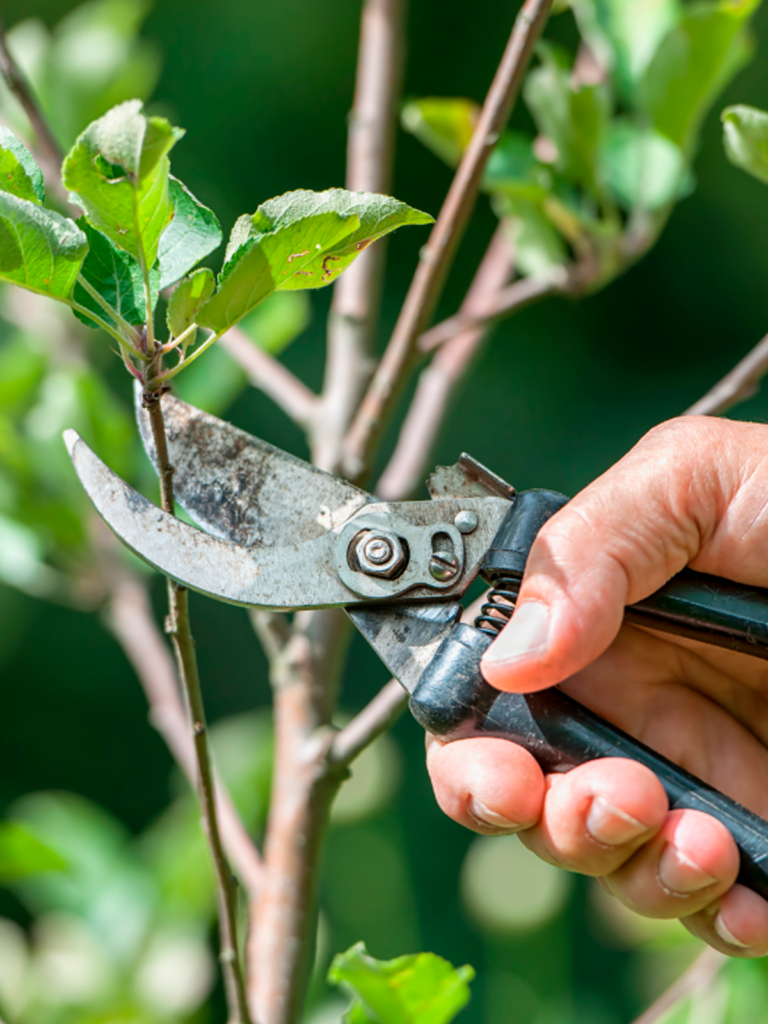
[(693, 64), (21, 853), (745, 137), (418, 989), (299, 240), (118, 172), (19, 174), (443, 125), (642, 168), (574, 119), (39, 249), (537, 244), (625, 35), (188, 298), (117, 277), (193, 233), (513, 168)]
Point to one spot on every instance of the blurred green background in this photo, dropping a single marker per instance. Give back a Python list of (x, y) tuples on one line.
[(559, 393)]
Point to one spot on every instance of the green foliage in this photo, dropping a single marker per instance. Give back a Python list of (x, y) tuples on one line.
[(417, 989), (19, 174), (615, 139), (188, 299), (117, 277), (118, 173), (299, 240), (39, 249), (745, 136), (22, 853), (193, 233)]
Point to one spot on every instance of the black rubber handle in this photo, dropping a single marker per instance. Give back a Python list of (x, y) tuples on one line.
[(452, 700)]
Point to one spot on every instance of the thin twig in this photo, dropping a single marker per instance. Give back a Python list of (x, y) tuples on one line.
[(375, 718), (132, 623), (47, 145), (270, 376), (186, 661), (439, 380), (696, 979), (504, 302), (737, 385), (438, 253), (370, 158)]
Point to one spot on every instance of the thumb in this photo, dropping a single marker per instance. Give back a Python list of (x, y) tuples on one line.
[(616, 542)]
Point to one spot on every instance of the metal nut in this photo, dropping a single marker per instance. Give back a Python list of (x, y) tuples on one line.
[(443, 566), (379, 554), (466, 521)]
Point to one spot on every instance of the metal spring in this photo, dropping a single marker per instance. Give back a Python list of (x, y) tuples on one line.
[(498, 607)]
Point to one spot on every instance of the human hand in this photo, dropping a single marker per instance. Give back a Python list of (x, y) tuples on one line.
[(694, 492)]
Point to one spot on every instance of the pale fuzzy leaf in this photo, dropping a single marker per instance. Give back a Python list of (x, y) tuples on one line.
[(642, 168), (118, 173), (117, 277), (418, 989), (193, 233), (443, 124), (745, 136), (187, 299), (695, 61), (39, 249), (19, 174)]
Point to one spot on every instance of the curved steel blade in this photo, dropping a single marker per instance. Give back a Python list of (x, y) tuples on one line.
[(280, 578), (242, 489)]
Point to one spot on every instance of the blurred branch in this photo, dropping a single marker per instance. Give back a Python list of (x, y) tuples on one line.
[(132, 622), (47, 148), (737, 385), (438, 253), (697, 978), (270, 376), (438, 381), (496, 306), (180, 630), (370, 158)]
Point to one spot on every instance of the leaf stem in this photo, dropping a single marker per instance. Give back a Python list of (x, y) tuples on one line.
[(110, 310), (175, 342), (163, 378), (186, 660), (122, 341)]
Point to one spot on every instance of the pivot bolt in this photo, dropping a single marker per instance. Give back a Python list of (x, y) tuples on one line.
[(443, 566), (466, 521), (378, 553)]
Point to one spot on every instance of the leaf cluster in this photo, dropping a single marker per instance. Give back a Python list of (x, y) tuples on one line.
[(143, 231), (616, 131)]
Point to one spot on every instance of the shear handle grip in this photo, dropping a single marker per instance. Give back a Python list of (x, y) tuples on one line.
[(453, 701)]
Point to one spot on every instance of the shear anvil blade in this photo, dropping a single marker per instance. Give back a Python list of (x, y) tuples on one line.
[(279, 578), (240, 488)]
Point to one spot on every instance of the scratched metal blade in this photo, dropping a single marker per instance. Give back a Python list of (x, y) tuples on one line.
[(240, 488), (291, 576), (406, 636)]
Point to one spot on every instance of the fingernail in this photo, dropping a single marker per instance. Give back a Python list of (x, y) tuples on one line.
[(610, 826), (527, 632), (679, 875), (487, 818), (726, 934)]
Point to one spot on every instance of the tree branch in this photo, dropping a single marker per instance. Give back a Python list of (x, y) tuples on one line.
[(738, 384), (696, 979), (186, 662), (437, 254), (438, 381), (270, 376), (370, 159), (131, 621), (496, 306)]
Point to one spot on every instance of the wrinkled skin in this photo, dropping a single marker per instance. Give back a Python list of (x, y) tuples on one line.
[(694, 491)]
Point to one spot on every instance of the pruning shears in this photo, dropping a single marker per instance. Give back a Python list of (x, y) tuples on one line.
[(276, 533)]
